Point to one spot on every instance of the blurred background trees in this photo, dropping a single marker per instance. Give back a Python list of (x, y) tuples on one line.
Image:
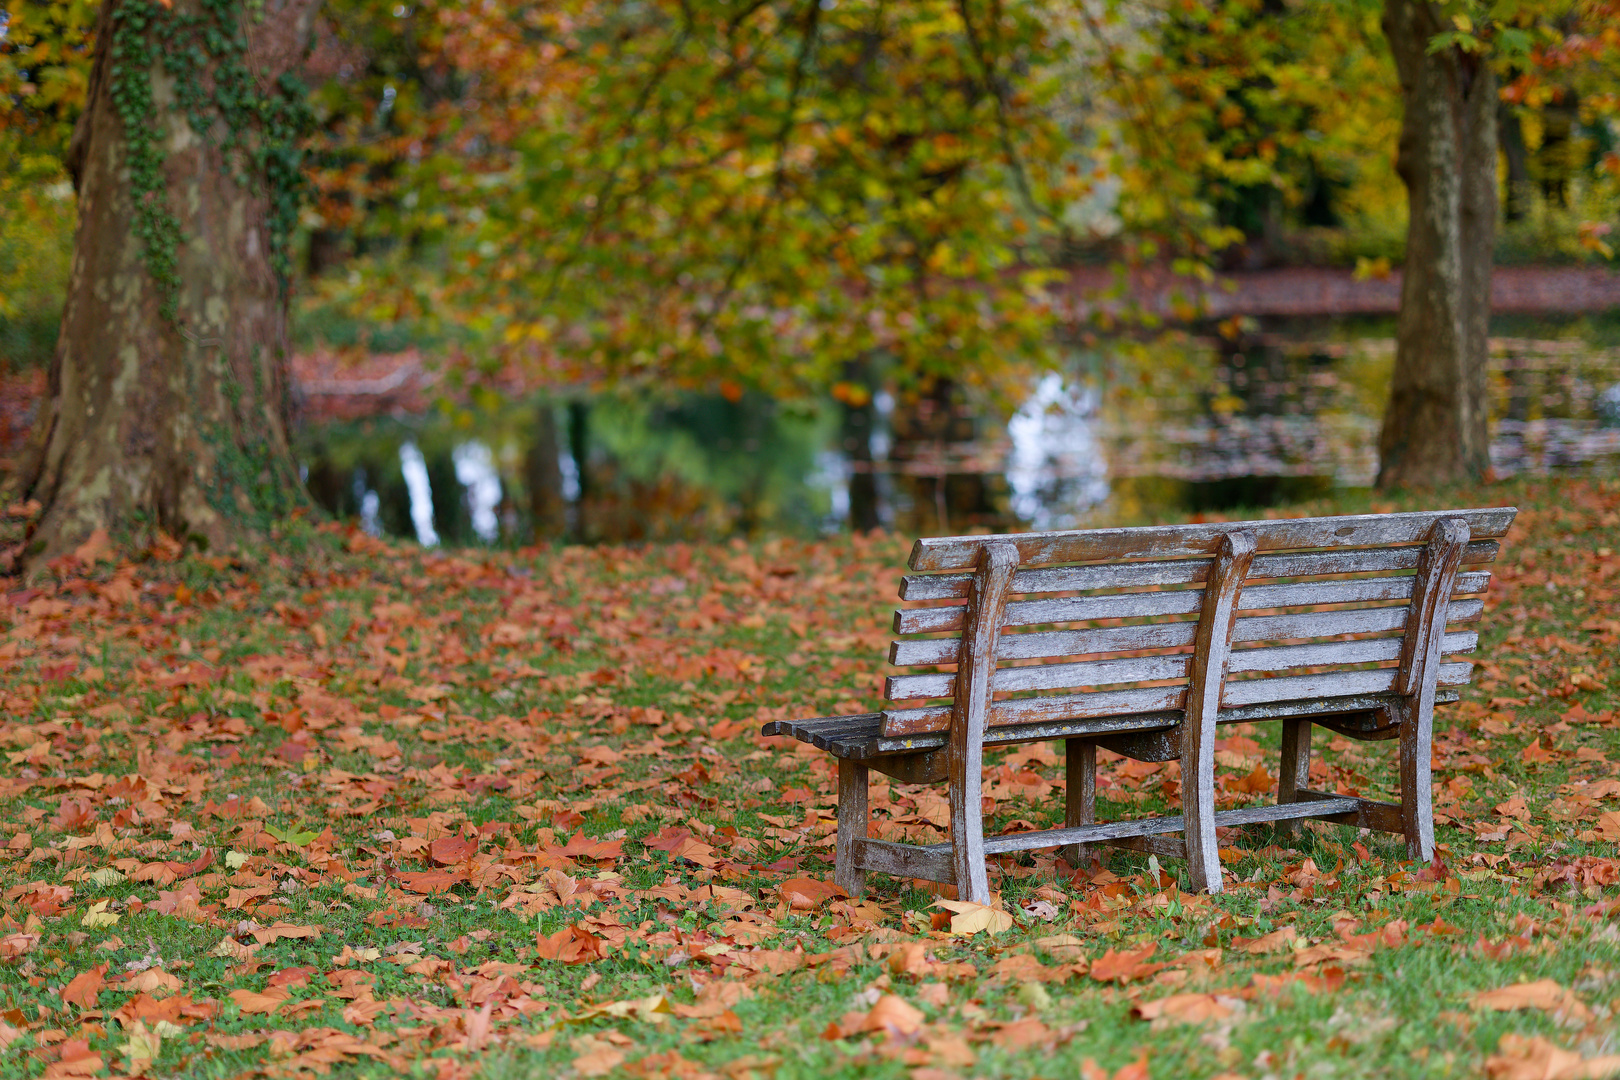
[(783, 201)]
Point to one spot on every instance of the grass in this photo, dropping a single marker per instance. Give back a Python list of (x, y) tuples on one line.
[(331, 806)]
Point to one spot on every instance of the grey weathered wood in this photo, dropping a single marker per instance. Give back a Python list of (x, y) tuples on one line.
[(1107, 832), (1210, 650), (1165, 847), (853, 817), (1419, 674), (865, 740), (987, 606), (920, 767), (1173, 635), (1079, 794), (1161, 744), (1150, 668), (1294, 772), (1366, 814), (1330, 684), (922, 587), (1174, 602), (905, 860), (1099, 703), (1179, 541)]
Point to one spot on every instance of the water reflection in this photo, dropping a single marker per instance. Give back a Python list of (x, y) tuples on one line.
[(1190, 423), (1056, 465)]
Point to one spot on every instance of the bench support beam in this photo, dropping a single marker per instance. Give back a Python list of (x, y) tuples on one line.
[(853, 819), (1212, 647), (976, 663), (1418, 677)]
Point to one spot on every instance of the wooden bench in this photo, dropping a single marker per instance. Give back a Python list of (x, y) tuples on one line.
[(1143, 641)]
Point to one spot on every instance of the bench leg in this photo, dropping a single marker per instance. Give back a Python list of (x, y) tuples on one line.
[(853, 818), (1079, 796), (1295, 774), (1417, 793)]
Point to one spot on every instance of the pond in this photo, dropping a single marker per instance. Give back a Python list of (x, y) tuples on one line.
[(1127, 431)]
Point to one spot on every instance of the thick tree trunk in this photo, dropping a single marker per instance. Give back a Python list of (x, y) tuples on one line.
[(1436, 425), (167, 399)]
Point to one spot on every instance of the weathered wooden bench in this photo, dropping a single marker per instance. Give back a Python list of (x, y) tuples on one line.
[(1142, 641)]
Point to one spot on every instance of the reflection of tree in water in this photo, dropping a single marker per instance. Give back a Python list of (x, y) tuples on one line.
[(1056, 467)]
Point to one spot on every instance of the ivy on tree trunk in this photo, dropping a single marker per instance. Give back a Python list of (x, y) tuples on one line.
[(1435, 427), (168, 392)]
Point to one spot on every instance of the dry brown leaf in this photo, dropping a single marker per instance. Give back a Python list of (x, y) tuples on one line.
[(1543, 994), (968, 918), (83, 988), (1189, 1008), (895, 1016), (256, 1003), (808, 894), (1535, 1058), (1277, 941), (1122, 967)]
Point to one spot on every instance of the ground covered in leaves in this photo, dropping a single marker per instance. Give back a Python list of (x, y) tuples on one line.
[(343, 808)]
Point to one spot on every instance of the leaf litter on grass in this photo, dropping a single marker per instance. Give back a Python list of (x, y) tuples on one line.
[(341, 805)]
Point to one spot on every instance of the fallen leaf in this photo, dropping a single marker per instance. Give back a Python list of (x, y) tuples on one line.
[(1543, 994), (254, 1002), (1274, 942), (142, 1048), (83, 988), (895, 1016), (968, 918), (1189, 1008), (1534, 1058), (808, 894), (572, 945), (1122, 967)]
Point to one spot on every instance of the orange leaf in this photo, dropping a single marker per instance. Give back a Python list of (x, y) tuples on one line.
[(1543, 994), (572, 945), (83, 988), (429, 882), (1123, 967), (449, 850), (807, 894), (251, 1001)]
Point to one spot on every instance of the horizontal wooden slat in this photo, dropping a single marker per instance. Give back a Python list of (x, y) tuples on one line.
[(1103, 832), (1187, 571), (866, 740), (1149, 668), (1238, 692), (1178, 602), (1175, 635), (1180, 541), (1150, 699)]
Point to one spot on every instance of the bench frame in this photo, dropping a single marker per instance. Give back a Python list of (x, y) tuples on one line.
[(1406, 713)]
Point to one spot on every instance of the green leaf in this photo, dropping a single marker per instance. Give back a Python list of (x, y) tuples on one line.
[(294, 836)]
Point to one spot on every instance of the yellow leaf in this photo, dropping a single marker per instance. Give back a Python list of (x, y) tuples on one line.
[(98, 916), (970, 918)]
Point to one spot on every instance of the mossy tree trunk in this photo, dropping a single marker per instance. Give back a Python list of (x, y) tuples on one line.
[(1436, 427), (167, 404)]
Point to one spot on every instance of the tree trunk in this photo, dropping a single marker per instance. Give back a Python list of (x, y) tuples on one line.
[(1436, 425), (546, 504), (167, 400), (1516, 201)]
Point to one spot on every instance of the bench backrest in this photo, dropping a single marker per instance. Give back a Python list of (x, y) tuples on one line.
[(1103, 621)]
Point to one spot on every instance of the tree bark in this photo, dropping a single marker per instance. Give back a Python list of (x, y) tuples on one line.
[(1436, 425), (167, 401)]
